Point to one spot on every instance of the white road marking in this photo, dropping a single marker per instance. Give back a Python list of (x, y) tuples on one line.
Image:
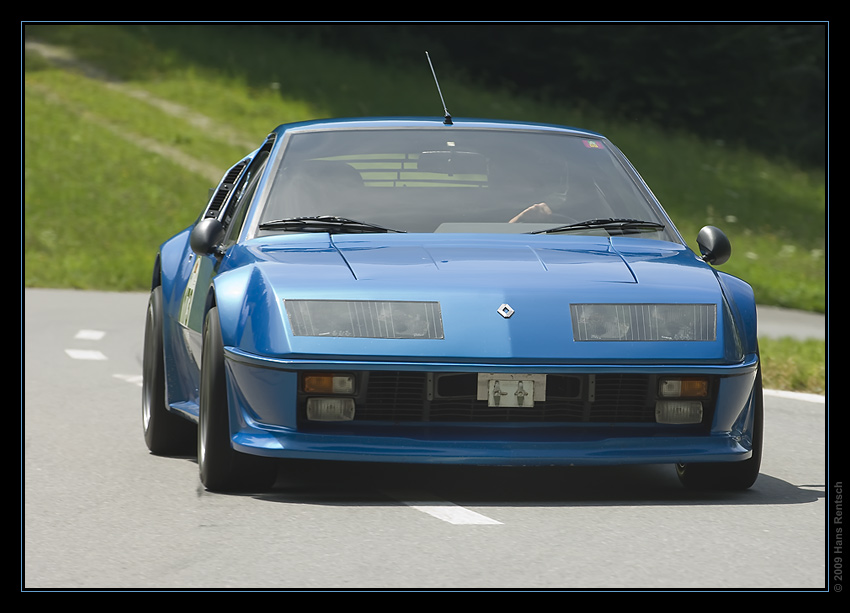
[(445, 511), (134, 379), (816, 398), (90, 335), (85, 354)]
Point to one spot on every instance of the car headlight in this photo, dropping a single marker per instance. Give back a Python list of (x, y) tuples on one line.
[(678, 412), (365, 319), (330, 409), (644, 322)]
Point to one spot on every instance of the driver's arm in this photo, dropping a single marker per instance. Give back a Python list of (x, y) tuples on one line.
[(536, 212)]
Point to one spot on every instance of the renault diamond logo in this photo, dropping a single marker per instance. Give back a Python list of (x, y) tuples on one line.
[(505, 311)]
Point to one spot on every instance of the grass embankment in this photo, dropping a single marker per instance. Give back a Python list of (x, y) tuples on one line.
[(113, 166)]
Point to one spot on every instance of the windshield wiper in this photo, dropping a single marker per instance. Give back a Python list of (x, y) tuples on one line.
[(622, 225), (324, 223)]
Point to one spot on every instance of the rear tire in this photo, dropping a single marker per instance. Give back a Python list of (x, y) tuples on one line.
[(730, 475), (165, 432), (222, 468)]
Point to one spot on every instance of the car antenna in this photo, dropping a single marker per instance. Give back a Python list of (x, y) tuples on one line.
[(448, 118)]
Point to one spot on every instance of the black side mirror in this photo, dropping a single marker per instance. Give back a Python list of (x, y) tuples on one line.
[(714, 245), (206, 236)]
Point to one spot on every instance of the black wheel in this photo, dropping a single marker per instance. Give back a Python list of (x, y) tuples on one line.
[(222, 468), (165, 432), (730, 475)]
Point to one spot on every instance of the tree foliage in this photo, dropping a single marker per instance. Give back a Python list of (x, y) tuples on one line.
[(762, 85)]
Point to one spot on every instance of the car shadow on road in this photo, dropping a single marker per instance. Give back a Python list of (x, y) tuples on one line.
[(335, 483)]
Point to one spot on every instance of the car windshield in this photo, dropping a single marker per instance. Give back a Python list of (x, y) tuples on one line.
[(456, 180)]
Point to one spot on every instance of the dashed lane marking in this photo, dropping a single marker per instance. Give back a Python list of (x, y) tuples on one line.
[(134, 379), (89, 335), (443, 510), (86, 354)]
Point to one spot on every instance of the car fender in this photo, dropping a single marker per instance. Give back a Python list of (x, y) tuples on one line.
[(741, 299), (174, 267), (250, 314)]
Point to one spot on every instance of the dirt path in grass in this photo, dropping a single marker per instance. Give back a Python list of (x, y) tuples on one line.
[(63, 57)]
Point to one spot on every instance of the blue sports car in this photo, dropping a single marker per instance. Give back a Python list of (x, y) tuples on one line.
[(438, 291)]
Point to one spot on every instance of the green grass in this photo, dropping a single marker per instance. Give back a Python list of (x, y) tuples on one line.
[(88, 226), (185, 104), (797, 366)]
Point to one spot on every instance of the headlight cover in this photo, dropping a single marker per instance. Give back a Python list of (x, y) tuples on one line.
[(365, 319), (644, 322)]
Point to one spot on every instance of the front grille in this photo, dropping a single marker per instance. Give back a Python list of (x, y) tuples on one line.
[(393, 396), (423, 397)]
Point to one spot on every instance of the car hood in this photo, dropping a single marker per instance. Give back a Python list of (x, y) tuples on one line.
[(500, 297)]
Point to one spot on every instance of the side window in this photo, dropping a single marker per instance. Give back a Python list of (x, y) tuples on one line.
[(225, 188), (236, 212)]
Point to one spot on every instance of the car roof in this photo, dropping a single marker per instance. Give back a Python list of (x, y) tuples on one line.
[(425, 123)]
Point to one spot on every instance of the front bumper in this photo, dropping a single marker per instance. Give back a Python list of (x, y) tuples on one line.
[(267, 418)]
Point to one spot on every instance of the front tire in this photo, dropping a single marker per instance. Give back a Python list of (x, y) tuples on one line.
[(165, 432), (730, 475), (222, 468)]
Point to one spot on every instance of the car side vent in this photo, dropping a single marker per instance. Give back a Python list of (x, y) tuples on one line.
[(224, 189)]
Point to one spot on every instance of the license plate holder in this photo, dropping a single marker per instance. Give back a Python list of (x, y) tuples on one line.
[(519, 390)]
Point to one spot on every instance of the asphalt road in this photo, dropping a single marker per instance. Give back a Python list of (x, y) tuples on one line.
[(100, 512), (777, 322)]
